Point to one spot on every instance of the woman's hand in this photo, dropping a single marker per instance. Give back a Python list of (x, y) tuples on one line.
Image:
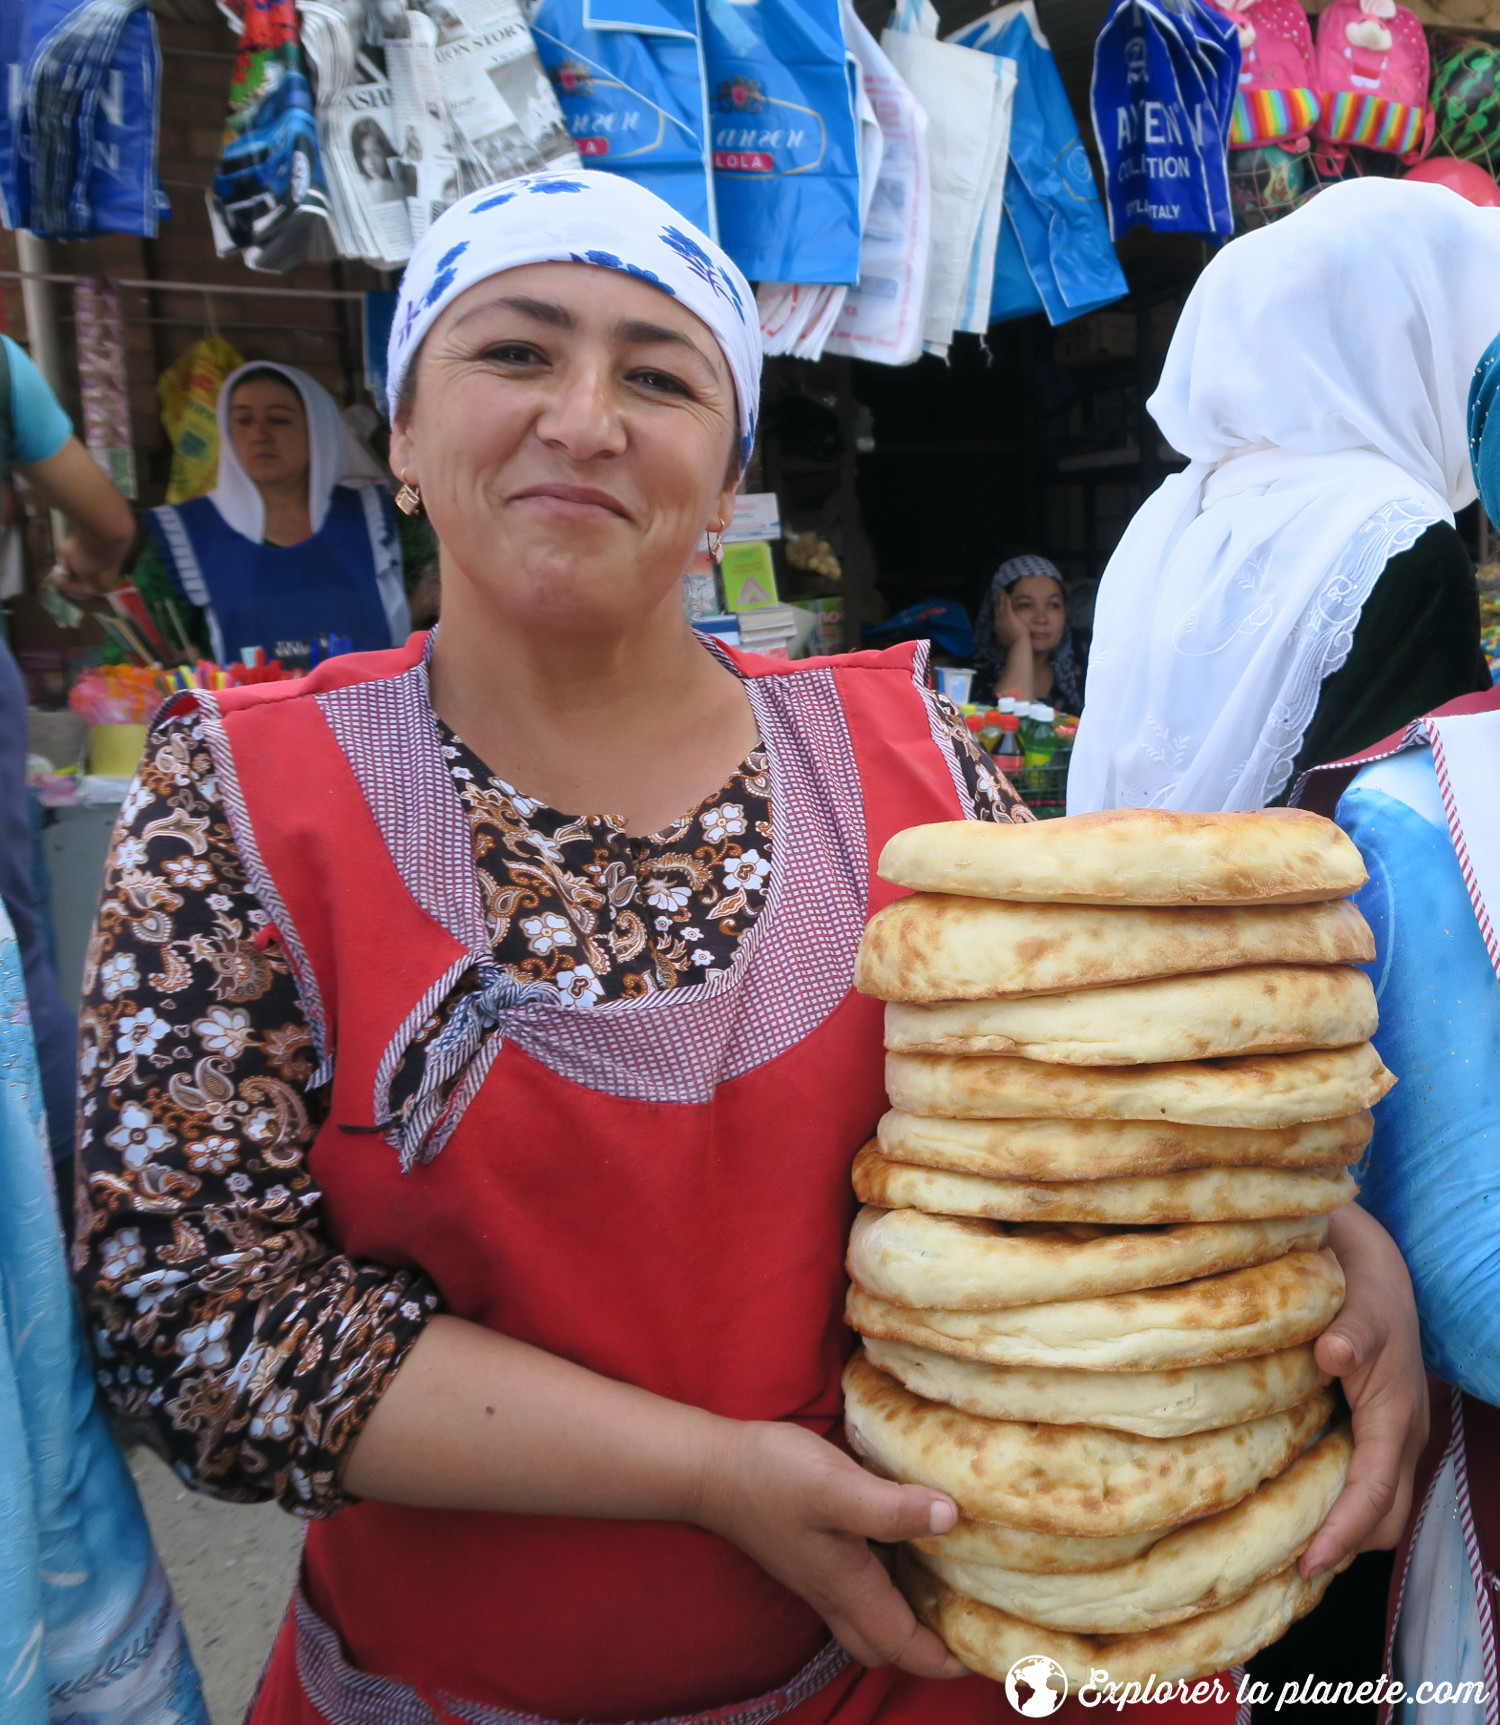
[(1010, 626), (1374, 1347), (806, 1513)]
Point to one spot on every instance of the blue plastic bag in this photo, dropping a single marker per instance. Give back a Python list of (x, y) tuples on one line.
[(1054, 252), (630, 78), (1207, 40), (785, 139), (1152, 132), (79, 86)]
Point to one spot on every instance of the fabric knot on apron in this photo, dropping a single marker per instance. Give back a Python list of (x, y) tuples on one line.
[(457, 1058)]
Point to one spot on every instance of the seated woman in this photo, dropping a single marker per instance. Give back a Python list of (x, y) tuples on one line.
[(468, 1133), (281, 551), (1300, 589), (1023, 645)]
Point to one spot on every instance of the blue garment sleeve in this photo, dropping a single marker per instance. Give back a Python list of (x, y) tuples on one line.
[(1432, 1172), (38, 425)]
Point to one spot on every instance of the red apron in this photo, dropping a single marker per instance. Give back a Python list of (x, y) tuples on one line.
[(657, 1189)]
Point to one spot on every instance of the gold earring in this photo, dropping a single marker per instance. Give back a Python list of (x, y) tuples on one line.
[(716, 544), (408, 499)]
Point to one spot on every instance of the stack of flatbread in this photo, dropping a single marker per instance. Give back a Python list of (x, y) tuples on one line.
[(1129, 1065)]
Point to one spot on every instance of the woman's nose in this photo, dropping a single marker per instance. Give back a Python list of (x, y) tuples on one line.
[(582, 415)]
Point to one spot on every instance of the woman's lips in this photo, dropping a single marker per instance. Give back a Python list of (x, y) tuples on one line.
[(581, 501)]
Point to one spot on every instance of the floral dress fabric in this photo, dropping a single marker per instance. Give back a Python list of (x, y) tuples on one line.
[(232, 1333)]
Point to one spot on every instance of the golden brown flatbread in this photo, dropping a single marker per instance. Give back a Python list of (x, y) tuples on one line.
[(966, 1264), (1113, 1149), (1236, 1316), (1201, 1195), (1133, 857), (1261, 1009), (937, 946), (1261, 1090), (990, 1641), (1201, 1567), (1150, 1404), (1066, 1479)]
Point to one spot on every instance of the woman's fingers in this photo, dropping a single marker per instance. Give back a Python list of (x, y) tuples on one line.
[(874, 1508), (1374, 1348), (874, 1624)]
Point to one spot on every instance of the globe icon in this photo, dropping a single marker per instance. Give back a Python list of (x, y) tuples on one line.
[(1036, 1686)]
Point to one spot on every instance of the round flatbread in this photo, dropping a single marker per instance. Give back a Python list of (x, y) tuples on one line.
[(1261, 1009), (1204, 1323), (1150, 1404), (990, 1641), (915, 1259), (937, 946), (1133, 856), (1066, 1479), (1111, 1149), (1202, 1195), (1251, 1090), (1199, 1568)]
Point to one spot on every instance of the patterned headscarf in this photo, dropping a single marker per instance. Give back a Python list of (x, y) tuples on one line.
[(990, 654), (579, 217), (1484, 429)]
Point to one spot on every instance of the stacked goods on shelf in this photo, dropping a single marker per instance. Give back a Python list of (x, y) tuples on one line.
[(1129, 1065)]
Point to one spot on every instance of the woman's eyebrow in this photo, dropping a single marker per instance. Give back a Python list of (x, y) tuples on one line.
[(642, 330), (541, 310)]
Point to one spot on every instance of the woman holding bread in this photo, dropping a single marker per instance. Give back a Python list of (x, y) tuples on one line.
[(467, 1130), (1300, 589)]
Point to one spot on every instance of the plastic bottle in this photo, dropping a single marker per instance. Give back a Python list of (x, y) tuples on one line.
[(989, 732), (1007, 751), (1041, 738)]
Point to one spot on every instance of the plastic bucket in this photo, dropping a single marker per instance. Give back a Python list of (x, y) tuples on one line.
[(115, 750)]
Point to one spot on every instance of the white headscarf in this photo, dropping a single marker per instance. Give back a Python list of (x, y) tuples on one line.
[(579, 216), (1318, 381), (331, 450)]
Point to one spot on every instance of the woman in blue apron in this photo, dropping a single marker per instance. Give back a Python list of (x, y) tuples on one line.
[(283, 551)]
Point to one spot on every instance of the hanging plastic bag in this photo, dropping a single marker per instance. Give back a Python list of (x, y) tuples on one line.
[(1152, 133), (1216, 40), (78, 117), (958, 90), (630, 77), (881, 317), (495, 90), (1373, 70), (785, 145), (434, 163), (974, 302), (270, 199), (1054, 252), (189, 394), (798, 319)]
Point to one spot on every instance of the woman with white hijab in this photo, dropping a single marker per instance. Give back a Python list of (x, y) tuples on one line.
[(1317, 382), (284, 549)]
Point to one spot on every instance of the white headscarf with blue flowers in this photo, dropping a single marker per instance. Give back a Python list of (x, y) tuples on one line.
[(579, 217)]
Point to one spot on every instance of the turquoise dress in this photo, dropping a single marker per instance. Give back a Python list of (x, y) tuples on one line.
[(89, 1631)]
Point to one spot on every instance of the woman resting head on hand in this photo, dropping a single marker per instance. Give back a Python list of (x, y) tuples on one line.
[(1023, 645)]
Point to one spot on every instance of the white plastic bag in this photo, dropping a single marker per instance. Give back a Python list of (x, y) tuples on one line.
[(881, 316), (958, 88)]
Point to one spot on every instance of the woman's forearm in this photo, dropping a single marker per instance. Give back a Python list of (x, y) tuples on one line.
[(1016, 674), (477, 1420)]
